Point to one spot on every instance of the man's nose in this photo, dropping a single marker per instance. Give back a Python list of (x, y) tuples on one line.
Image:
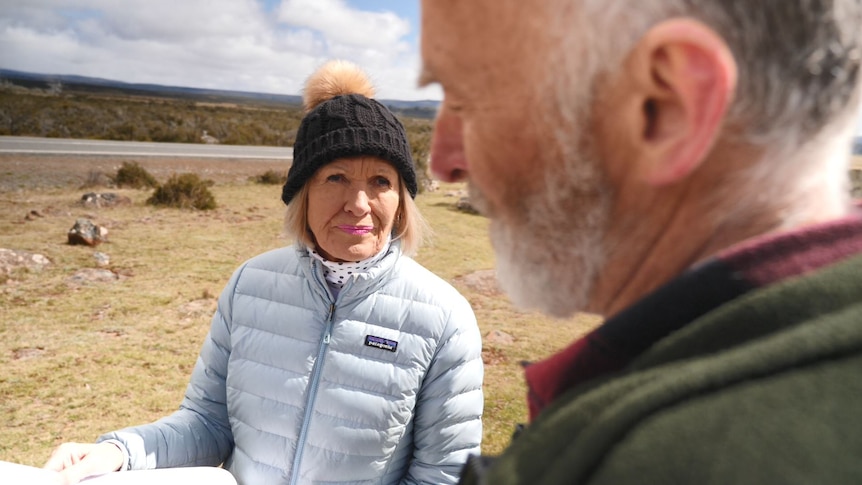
[(448, 161)]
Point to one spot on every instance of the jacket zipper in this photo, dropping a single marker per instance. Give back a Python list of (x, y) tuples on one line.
[(312, 395)]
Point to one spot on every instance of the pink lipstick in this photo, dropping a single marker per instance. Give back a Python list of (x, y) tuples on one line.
[(356, 230)]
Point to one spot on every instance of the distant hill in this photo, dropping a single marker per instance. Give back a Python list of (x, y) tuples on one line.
[(413, 109)]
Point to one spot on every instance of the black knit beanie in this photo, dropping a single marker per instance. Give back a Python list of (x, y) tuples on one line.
[(347, 126)]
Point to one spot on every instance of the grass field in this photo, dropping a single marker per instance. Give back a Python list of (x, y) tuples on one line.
[(80, 359)]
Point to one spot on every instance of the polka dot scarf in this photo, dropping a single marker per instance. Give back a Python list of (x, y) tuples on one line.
[(338, 273)]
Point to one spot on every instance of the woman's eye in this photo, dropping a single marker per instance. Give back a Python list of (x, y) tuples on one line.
[(382, 182), (335, 178)]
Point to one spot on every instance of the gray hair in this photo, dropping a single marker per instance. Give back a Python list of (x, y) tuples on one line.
[(409, 227), (799, 60)]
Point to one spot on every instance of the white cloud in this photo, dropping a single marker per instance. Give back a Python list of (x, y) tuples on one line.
[(222, 44), (341, 24), (135, 19)]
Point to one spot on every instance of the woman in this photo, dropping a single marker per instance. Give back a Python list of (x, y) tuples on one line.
[(337, 360)]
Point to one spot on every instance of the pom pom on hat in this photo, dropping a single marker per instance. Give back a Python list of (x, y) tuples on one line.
[(335, 78), (343, 120)]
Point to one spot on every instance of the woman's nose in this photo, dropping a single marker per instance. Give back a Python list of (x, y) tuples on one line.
[(448, 161), (357, 202)]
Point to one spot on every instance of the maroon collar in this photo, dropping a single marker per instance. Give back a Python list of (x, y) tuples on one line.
[(752, 264)]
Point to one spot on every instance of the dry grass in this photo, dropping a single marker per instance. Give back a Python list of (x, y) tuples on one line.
[(81, 359)]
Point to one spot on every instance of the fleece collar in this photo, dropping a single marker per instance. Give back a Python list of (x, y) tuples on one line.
[(752, 264)]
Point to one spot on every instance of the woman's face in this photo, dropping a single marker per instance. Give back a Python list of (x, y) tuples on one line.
[(352, 204)]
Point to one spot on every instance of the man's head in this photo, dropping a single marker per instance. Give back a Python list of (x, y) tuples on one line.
[(614, 143)]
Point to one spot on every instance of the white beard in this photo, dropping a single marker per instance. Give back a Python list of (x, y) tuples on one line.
[(551, 251), (551, 243)]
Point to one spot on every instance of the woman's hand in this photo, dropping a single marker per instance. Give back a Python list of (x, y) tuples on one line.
[(76, 461)]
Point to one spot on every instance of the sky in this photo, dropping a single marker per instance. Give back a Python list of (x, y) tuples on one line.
[(268, 46)]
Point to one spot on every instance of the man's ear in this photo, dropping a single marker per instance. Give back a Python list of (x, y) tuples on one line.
[(684, 77)]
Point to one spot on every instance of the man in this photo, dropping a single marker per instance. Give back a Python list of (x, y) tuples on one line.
[(679, 167)]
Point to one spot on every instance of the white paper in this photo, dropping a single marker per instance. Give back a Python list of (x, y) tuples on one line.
[(15, 474)]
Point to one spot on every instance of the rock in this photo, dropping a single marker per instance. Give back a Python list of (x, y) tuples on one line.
[(198, 308), (11, 259), (208, 139), (86, 233), (101, 258), (33, 215), (464, 205), (483, 281), (499, 337), (431, 185), (108, 199), (24, 353), (93, 275), (494, 356)]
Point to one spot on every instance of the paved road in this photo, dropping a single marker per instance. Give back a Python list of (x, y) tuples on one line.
[(62, 146)]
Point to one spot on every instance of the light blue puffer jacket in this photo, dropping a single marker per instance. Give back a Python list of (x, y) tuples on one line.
[(383, 385)]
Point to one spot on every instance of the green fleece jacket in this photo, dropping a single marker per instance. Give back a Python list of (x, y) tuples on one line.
[(765, 389)]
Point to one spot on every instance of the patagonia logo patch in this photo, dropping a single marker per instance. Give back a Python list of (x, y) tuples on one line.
[(381, 343)]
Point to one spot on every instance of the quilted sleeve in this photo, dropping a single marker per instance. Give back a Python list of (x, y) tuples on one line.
[(198, 433), (448, 421)]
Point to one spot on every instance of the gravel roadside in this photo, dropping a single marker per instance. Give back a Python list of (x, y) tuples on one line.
[(25, 172)]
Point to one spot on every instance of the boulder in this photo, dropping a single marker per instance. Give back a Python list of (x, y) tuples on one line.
[(10, 259), (93, 275), (107, 199), (86, 233)]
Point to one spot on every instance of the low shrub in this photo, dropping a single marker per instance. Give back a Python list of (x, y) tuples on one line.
[(271, 177), (185, 191), (95, 179), (131, 174)]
